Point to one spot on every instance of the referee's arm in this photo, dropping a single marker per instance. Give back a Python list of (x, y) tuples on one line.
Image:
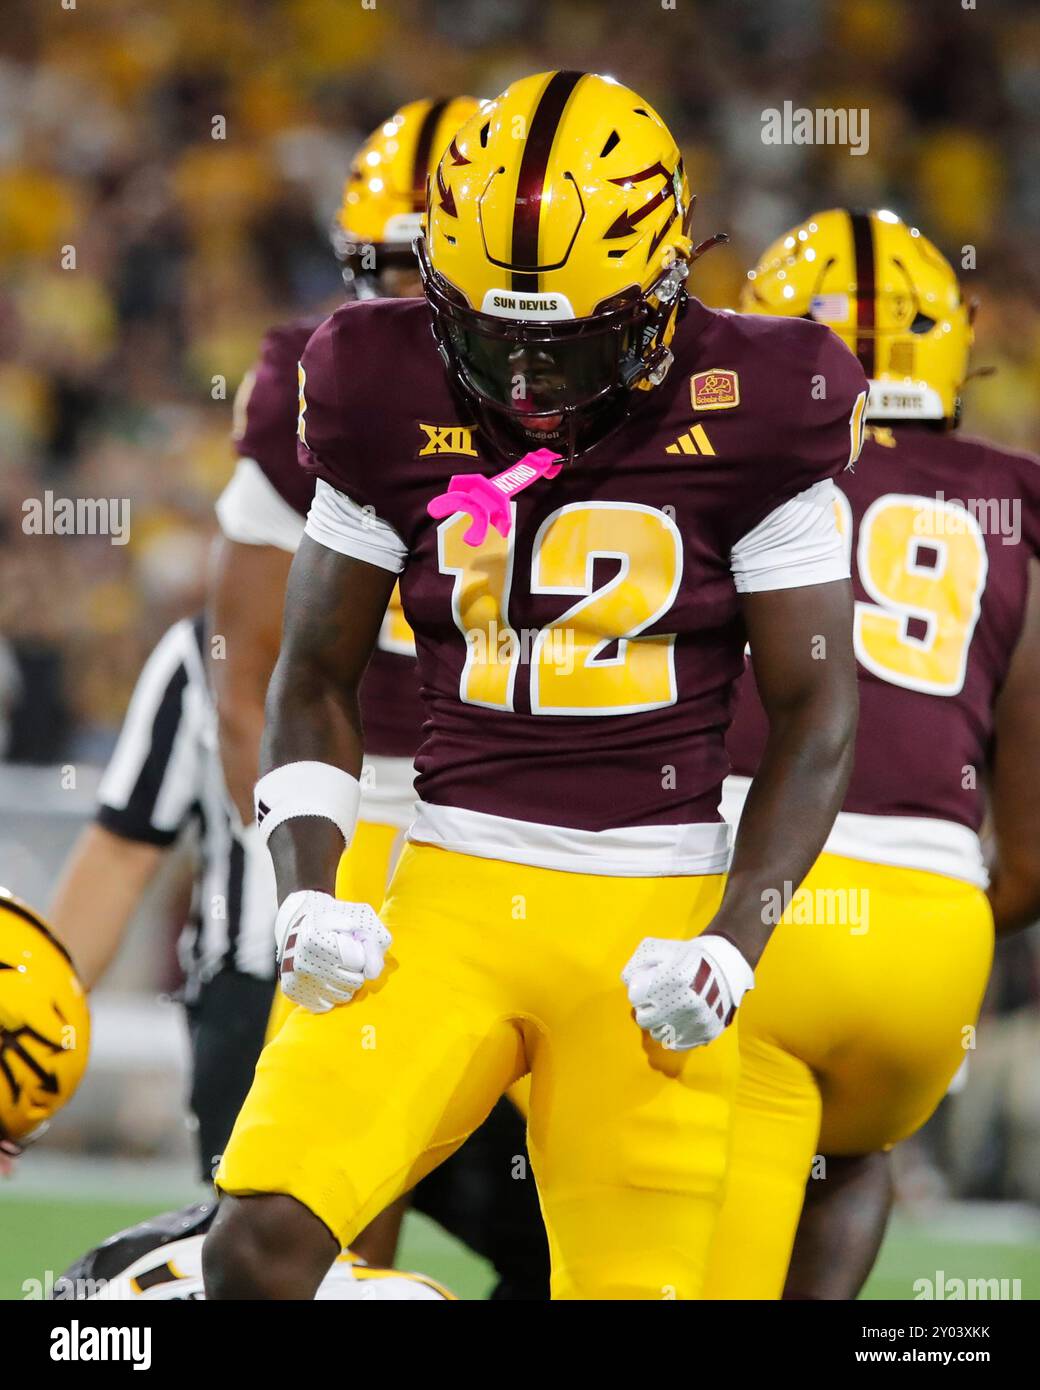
[(144, 799)]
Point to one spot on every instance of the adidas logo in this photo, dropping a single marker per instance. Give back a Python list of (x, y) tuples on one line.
[(694, 441)]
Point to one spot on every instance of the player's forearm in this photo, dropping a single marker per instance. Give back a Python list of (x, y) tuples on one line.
[(310, 718), (240, 728), (97, 895), (244, 613), (790, 809)]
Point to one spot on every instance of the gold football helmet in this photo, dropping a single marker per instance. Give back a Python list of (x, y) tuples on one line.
[(384, 196), (888, 293), (555, 254), (44, 1023)]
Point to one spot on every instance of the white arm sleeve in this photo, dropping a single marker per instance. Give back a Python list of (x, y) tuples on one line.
[(338, 522), (797, 544), (252, 511)]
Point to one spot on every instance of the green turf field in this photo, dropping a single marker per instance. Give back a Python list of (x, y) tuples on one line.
[(41, 1232)]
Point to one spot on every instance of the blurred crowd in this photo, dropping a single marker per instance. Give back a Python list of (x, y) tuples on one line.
[(168, 173)]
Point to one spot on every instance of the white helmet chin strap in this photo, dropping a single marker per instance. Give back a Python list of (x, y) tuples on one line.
[(903, 400)]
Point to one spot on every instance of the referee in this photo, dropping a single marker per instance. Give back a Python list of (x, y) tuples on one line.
[(164, 777)]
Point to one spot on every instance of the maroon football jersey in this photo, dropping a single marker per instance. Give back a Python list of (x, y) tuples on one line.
[(391, 711), (609, 709), (942, 530)]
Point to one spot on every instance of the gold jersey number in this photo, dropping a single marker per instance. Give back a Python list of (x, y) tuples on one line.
[(593, 659), (924, 564), (395, 635)]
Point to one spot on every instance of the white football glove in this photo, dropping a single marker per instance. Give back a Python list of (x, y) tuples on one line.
[(685, 993), (327, 949)]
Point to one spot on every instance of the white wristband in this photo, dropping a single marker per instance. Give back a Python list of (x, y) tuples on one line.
[(307, 789), (731, 961)]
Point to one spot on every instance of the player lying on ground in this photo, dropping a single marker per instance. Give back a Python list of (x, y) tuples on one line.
[(868, 997), (569, 776), (161, 1260), (476, 1196)]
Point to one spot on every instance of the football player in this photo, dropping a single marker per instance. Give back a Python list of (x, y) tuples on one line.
[(161, 1261), (868, 997), (261, 515), (44, 1027), (577, 661)]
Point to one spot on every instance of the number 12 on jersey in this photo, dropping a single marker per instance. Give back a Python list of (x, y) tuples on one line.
[(569, 673)]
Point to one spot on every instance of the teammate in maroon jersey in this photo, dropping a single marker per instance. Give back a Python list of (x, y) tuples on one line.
[(867, 1000), (577, 667)]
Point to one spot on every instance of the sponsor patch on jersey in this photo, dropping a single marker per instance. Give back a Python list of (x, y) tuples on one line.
[(718, 389), (448, 439)]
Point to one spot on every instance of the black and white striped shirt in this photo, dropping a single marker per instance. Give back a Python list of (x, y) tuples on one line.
[(165, 774)]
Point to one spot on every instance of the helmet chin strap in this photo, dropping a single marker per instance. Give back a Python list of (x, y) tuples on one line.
[(707, 245)]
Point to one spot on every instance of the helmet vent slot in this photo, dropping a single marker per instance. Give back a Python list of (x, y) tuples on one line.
[(484, 134), (613, 139)]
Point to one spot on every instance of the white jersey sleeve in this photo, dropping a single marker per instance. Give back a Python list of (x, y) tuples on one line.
[(336, 521), (797, 544), (252, 512)]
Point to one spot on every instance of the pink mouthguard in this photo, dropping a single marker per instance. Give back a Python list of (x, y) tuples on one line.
[(486, 500)]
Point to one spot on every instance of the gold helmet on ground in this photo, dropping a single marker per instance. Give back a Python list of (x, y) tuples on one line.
[(555, 253), (890, 296), (44, 1023), (384, 196)]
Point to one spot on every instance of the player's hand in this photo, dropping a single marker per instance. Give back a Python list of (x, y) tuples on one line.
[(327, 949), (8, 1153), (685, 993)]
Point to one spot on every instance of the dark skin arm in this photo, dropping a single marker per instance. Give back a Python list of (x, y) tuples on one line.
[(1014, 892), (334, 606), (246, 592), (812, 702)]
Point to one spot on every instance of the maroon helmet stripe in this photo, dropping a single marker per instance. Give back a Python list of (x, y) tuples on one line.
[(423, 146), (533, 163), (863, 248), (21, 909)]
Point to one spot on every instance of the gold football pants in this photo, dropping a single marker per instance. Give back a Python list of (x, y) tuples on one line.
[(497, 969), (865, 1003)]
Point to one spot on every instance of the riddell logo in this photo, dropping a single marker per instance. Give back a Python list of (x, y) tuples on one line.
[(448, 439), (714, 390)]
